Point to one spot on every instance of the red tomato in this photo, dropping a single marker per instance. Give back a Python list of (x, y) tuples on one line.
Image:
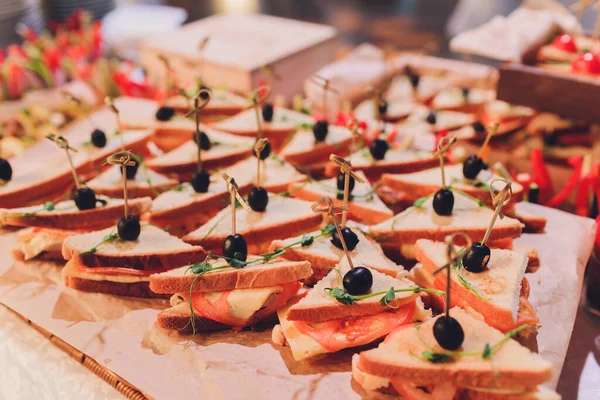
[(565, 42), (587, 63)]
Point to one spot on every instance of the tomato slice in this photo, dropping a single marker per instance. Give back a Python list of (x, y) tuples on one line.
[(565, 42), (219, 310), (338, 334), (587, 63)]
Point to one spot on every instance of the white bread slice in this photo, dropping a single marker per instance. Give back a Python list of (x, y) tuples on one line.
[(376, 383), (226, 150), (145, 183), (422, 183), (275, 173), (453, 98), (42, 243), (396, 161), (153, 249), (318, 305), (33, 180), (254, 275), (512, 366), (500, 283), (423, 223), (401, 88), (444, 120), (222, 102), (283, 217), (365, 206), (283, 124), (66, 215), (397, 109), (302, 149), (499, 110), (323, 255)]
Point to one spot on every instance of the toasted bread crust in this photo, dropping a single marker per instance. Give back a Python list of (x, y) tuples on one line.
[(326, 312), (210, 164), (357, 211), (261, 238), (177, 320), (375, 171), (138, 192), (54, 256), (320, 265), (319, 153), (157, 260), (230, 279), (415, 190), (100, 217), (138, 289)]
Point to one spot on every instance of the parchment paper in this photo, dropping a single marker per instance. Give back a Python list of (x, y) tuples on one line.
[(121, 334)]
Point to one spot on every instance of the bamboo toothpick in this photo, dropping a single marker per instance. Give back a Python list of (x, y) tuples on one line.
[(259, 146), (201, 99), (346, 169), (258, 97), (354, 127), (325, 205), (453, 257), (234, 194), (325, 84), (168, 75), (499, 200), (123, 159), (443, 146), (111, 105), (490, 131), (62, 143)]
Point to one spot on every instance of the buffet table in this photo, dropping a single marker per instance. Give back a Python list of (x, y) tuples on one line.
[(120, 335)]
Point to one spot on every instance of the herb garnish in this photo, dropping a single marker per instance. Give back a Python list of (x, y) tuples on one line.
[(388, 296), (108, 238)]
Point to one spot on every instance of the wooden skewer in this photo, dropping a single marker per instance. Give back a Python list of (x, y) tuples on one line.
[(234, 194), (62, 143), (123, 159), (491, 131), (258, 97), (111, 105), (261, 143), (326, 85), (325, 205), (443, 146), (346, 169), (499, 200), (201, 99)]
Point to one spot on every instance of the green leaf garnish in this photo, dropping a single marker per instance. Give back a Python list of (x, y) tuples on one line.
[(328, 230), (388, 298), (437, 358), (305, 125), (487, 352), (307, 240), (108, 238), (235, 263), (340, 295)]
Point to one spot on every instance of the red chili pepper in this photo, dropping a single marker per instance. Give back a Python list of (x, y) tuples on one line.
[(587, 186), (2, 56), (597, 240), (442, 133), (97, 40), (541, 175), (560, 197), (391, 136)]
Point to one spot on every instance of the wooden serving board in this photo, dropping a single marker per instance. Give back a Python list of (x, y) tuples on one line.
[(567, 95)]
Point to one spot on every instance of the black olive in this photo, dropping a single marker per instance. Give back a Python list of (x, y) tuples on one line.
[(378, 148), (465, 93), (534, 194), (98, 138), (448, 333), (265, 152), (443, 202), (205, 143), (235, 247), (350, 239), (203, 93), (550, 138), (472, 166), (477, 257), (358, 280), (267, 112), (200, 181), (341, 181), (129, 228), (382, 107), (431, 118), (320, 130), (5, 170), (478, 127), (85, 198), (131, 170), (258, 198), (165, 113)]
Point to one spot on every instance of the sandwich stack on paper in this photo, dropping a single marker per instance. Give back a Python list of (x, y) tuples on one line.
[(329, 318), (487, 365), (104, 262), (212, 295), (497, 292)]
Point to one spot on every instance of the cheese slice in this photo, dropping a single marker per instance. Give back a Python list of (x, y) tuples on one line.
[(32, 242), (223, 144), (71, 270), (145, 179), (244, 303), (245, 123)]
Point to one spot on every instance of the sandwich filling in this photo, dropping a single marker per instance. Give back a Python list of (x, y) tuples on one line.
[(33, 241)]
